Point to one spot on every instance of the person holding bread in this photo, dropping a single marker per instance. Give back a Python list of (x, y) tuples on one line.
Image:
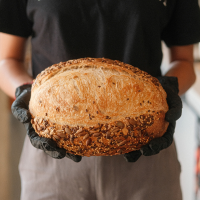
[(127, 31)]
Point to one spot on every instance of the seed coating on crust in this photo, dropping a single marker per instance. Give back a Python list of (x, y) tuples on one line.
[(132, 137)]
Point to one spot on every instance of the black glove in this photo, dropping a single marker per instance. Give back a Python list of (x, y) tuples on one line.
[(21, 111), (170, 85)]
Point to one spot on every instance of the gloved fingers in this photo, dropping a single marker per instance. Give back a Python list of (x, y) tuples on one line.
[(170, 131), (48, 146), (170, 81), (40, 143), (58, 154), (154, 147), (45, 144), (73, 157), (170, 85), (132, 156), (158, 144), (175, 106), (20, 89), (21, 114), (30, 130), (19, 107)]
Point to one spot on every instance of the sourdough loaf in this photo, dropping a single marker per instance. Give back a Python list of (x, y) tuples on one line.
[(98, 106)]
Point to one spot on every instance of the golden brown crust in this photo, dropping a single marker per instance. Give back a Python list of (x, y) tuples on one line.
[(98, 106)]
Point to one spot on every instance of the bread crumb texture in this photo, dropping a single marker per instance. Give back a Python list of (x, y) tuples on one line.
[(98, 106)]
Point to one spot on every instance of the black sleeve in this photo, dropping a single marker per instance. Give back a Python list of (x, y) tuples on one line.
[(13, 18), (184, 25)]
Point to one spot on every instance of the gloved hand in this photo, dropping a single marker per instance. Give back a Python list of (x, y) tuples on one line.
[(170, 85), (20, 111)]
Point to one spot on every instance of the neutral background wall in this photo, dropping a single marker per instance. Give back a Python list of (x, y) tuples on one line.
[(4, 148)]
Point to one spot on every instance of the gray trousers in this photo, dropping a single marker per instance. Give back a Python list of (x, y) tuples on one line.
[(99, 178)]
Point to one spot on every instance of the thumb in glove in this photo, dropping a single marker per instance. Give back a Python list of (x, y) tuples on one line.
[(170, 85), (20, 111)]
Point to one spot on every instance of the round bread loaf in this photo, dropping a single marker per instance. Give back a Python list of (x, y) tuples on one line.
[(98, 106)]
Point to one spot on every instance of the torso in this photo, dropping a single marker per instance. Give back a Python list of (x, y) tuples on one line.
[(128, 30)]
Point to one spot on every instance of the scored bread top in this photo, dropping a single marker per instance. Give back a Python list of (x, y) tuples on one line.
[(88, 91)]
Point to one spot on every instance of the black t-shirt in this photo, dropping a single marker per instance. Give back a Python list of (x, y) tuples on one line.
[(127, 30)]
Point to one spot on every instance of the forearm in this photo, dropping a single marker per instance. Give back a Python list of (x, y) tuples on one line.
[(181, 66), (12, 75), (184, 71)]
